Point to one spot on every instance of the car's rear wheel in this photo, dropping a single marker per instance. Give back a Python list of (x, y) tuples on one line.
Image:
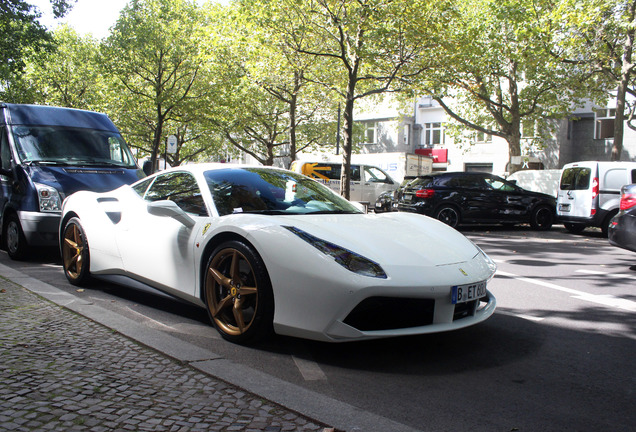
[(542, 218), (75, 253), (238, 293), (574, 228), (449, 215), (14, 238)]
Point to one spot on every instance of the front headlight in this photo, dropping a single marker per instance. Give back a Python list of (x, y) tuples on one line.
[(352, 261), (49, 198)]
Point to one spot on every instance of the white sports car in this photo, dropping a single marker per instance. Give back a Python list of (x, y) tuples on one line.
[(266, 249)]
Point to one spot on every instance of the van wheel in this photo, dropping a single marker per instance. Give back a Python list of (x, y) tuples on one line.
[(542, 218), (606, 223), (15, 241), (574, 228)]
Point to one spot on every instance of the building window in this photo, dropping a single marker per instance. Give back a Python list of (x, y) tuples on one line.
[(483, 138), (604, 124), (478, 167), (433, 134), (528, 129), (370, 132)]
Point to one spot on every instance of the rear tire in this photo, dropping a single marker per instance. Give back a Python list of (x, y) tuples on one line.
[(449, 215), (542, 218), (76, 257), (14, 239)]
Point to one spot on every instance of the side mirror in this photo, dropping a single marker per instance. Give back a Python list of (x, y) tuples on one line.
[(170, 209)]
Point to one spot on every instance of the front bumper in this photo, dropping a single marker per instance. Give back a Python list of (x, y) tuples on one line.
[(40, 229)]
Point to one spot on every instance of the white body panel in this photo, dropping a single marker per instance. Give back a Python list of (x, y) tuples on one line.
[(313, 294)]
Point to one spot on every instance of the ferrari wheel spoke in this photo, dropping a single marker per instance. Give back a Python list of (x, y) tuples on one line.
[(238, 315), (223, 304), (220, 278)]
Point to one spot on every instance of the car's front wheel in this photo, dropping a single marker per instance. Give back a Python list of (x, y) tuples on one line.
[(238, 293), (14, 238), (542, 218), (449, 215), (75, 253)]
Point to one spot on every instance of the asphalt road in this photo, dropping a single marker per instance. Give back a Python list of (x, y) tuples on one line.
[(556, 356)]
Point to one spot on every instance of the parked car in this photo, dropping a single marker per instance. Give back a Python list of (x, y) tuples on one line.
[(385, 201), (472, 198), (589, 193), (622, 228), (46, 154), (367, 181), (265, 248)]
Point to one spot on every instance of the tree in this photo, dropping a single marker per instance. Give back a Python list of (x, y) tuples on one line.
[(363, 47), (155, 53), (495, 67), (22, 35), (68, 75), (599, 34)]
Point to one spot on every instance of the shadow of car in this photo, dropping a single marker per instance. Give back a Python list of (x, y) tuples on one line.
[(622, 228), (457, 198)]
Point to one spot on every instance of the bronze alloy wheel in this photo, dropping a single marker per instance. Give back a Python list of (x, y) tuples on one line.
[(75, 254), (237, 292)]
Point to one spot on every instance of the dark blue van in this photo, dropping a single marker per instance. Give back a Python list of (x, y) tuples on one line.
[(46, 154)]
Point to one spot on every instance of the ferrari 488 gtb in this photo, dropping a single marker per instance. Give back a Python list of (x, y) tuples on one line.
[(265, 249)]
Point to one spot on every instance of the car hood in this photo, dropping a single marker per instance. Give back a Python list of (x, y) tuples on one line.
[(400, 239)]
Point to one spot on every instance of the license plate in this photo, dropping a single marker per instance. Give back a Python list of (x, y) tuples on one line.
[(466, 293), (564, 207), (408, 197)]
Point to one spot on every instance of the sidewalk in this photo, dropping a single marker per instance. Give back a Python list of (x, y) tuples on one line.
[(62, 371)]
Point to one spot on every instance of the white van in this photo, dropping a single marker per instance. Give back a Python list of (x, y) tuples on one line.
[(589, 193), (367, 182)]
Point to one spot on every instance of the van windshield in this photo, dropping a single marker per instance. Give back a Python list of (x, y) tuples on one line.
[(577, 178), (56, 145)]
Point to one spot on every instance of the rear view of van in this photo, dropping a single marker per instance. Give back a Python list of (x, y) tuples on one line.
[(46, 154), (589, 193)]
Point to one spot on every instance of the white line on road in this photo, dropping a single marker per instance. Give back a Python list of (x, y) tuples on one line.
[(525, 317), (606, 300), (611, 275), (310, 370)]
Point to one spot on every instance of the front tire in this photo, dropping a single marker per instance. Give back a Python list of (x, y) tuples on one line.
[(542, 218), (449, 215), (14, 238), (238, 293), (75, 253)]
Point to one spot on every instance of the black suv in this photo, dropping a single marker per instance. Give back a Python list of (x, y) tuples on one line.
[(472, 198)]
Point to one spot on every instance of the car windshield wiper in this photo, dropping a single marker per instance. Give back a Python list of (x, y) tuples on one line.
[(264, 212), (332, 212), (45, 162)]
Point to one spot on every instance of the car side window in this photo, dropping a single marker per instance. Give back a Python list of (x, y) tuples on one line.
[(498, 184), (374, 175), (5, 150), (182, 189)]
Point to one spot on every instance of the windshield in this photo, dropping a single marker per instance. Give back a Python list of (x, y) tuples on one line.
[(56, 145), (268, 191)]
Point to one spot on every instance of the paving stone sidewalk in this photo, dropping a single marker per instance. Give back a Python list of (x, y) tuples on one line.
[(62, 371)]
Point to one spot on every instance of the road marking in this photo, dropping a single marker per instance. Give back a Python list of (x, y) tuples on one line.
[(147, 318), (525, 317), (606, 300), (612, 275), (310, 370)]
